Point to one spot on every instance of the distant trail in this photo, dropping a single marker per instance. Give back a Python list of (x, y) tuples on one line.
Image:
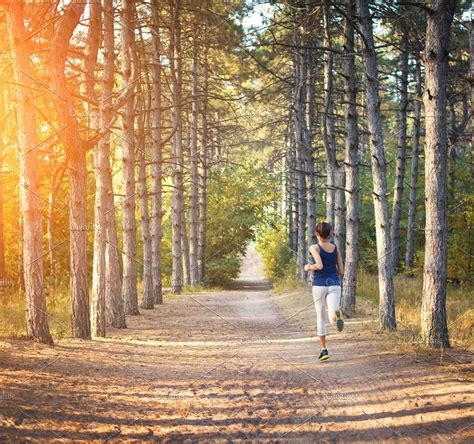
[(229, 365)]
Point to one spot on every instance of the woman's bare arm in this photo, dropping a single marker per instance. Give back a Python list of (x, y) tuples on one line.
[(318, 265)]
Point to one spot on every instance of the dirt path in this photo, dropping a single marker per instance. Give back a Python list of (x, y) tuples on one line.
[(228, 366)]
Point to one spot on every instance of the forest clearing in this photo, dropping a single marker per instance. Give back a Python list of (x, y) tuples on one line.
[(236, 220)]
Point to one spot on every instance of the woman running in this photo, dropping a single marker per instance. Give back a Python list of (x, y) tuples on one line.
[(328, 269)]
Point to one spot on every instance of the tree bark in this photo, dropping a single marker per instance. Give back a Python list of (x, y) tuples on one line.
[(352, 163), (327, 119), (76, 155), (299, 96), (340, 210), (129, 225), (3, 143), (434, 328), (310, 194), (410, 252), (36, 312), (204, 164), (193, 158), (401, 151), (300, 128), (147, 301), (94, 37), (176, 147), (115, 313), (156, 159), (185, 250), (293, 191), (99, 271), (310, 61), (184, 229), (289, 196), (301, 258), (387, 303)]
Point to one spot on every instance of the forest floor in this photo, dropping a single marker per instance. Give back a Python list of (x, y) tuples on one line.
[(232, 365)]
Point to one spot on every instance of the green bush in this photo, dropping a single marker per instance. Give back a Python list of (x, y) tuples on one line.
[(275, 250)]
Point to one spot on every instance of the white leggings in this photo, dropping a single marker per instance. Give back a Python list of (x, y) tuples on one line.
[(322, 296)]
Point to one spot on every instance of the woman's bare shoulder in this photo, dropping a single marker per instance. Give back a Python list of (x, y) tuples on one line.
[(314, 247)]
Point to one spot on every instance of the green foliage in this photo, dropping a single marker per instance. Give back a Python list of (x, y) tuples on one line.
[(275, 250), (238, 201)]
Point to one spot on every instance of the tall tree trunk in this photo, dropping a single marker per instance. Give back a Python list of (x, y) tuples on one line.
[(327, 119), (288, 174), (21, 268), (193, 158), (156, 159), (129, 225), (3, 143), (310, 171), (301, 138), (36, 312), (204, 163), (292, 191), (185, 250), (94, 37), (176, 147), (387, 302), (336, 181), (147, 295), (115, 313), (143, 123), (340, 209), (76, 156), (301, 258), (352, 162), (434, 328), (147, 301), (294, 197), (414, 167), (401, 150), (184, 228), (98, 305)]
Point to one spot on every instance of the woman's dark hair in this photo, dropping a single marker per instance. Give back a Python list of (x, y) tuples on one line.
[(324, 229)]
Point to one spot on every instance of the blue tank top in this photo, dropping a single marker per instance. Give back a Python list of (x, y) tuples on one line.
[(328, 275)]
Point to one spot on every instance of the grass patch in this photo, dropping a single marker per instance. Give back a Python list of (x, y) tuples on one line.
[(13, 321), (288, 282), (408, 299)]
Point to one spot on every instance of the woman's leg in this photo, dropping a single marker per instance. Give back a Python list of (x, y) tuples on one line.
[(322, 341), (319, 297), (333, 299)]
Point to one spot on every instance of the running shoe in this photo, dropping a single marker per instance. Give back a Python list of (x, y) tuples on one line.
[(339, 320), (324, 355)]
